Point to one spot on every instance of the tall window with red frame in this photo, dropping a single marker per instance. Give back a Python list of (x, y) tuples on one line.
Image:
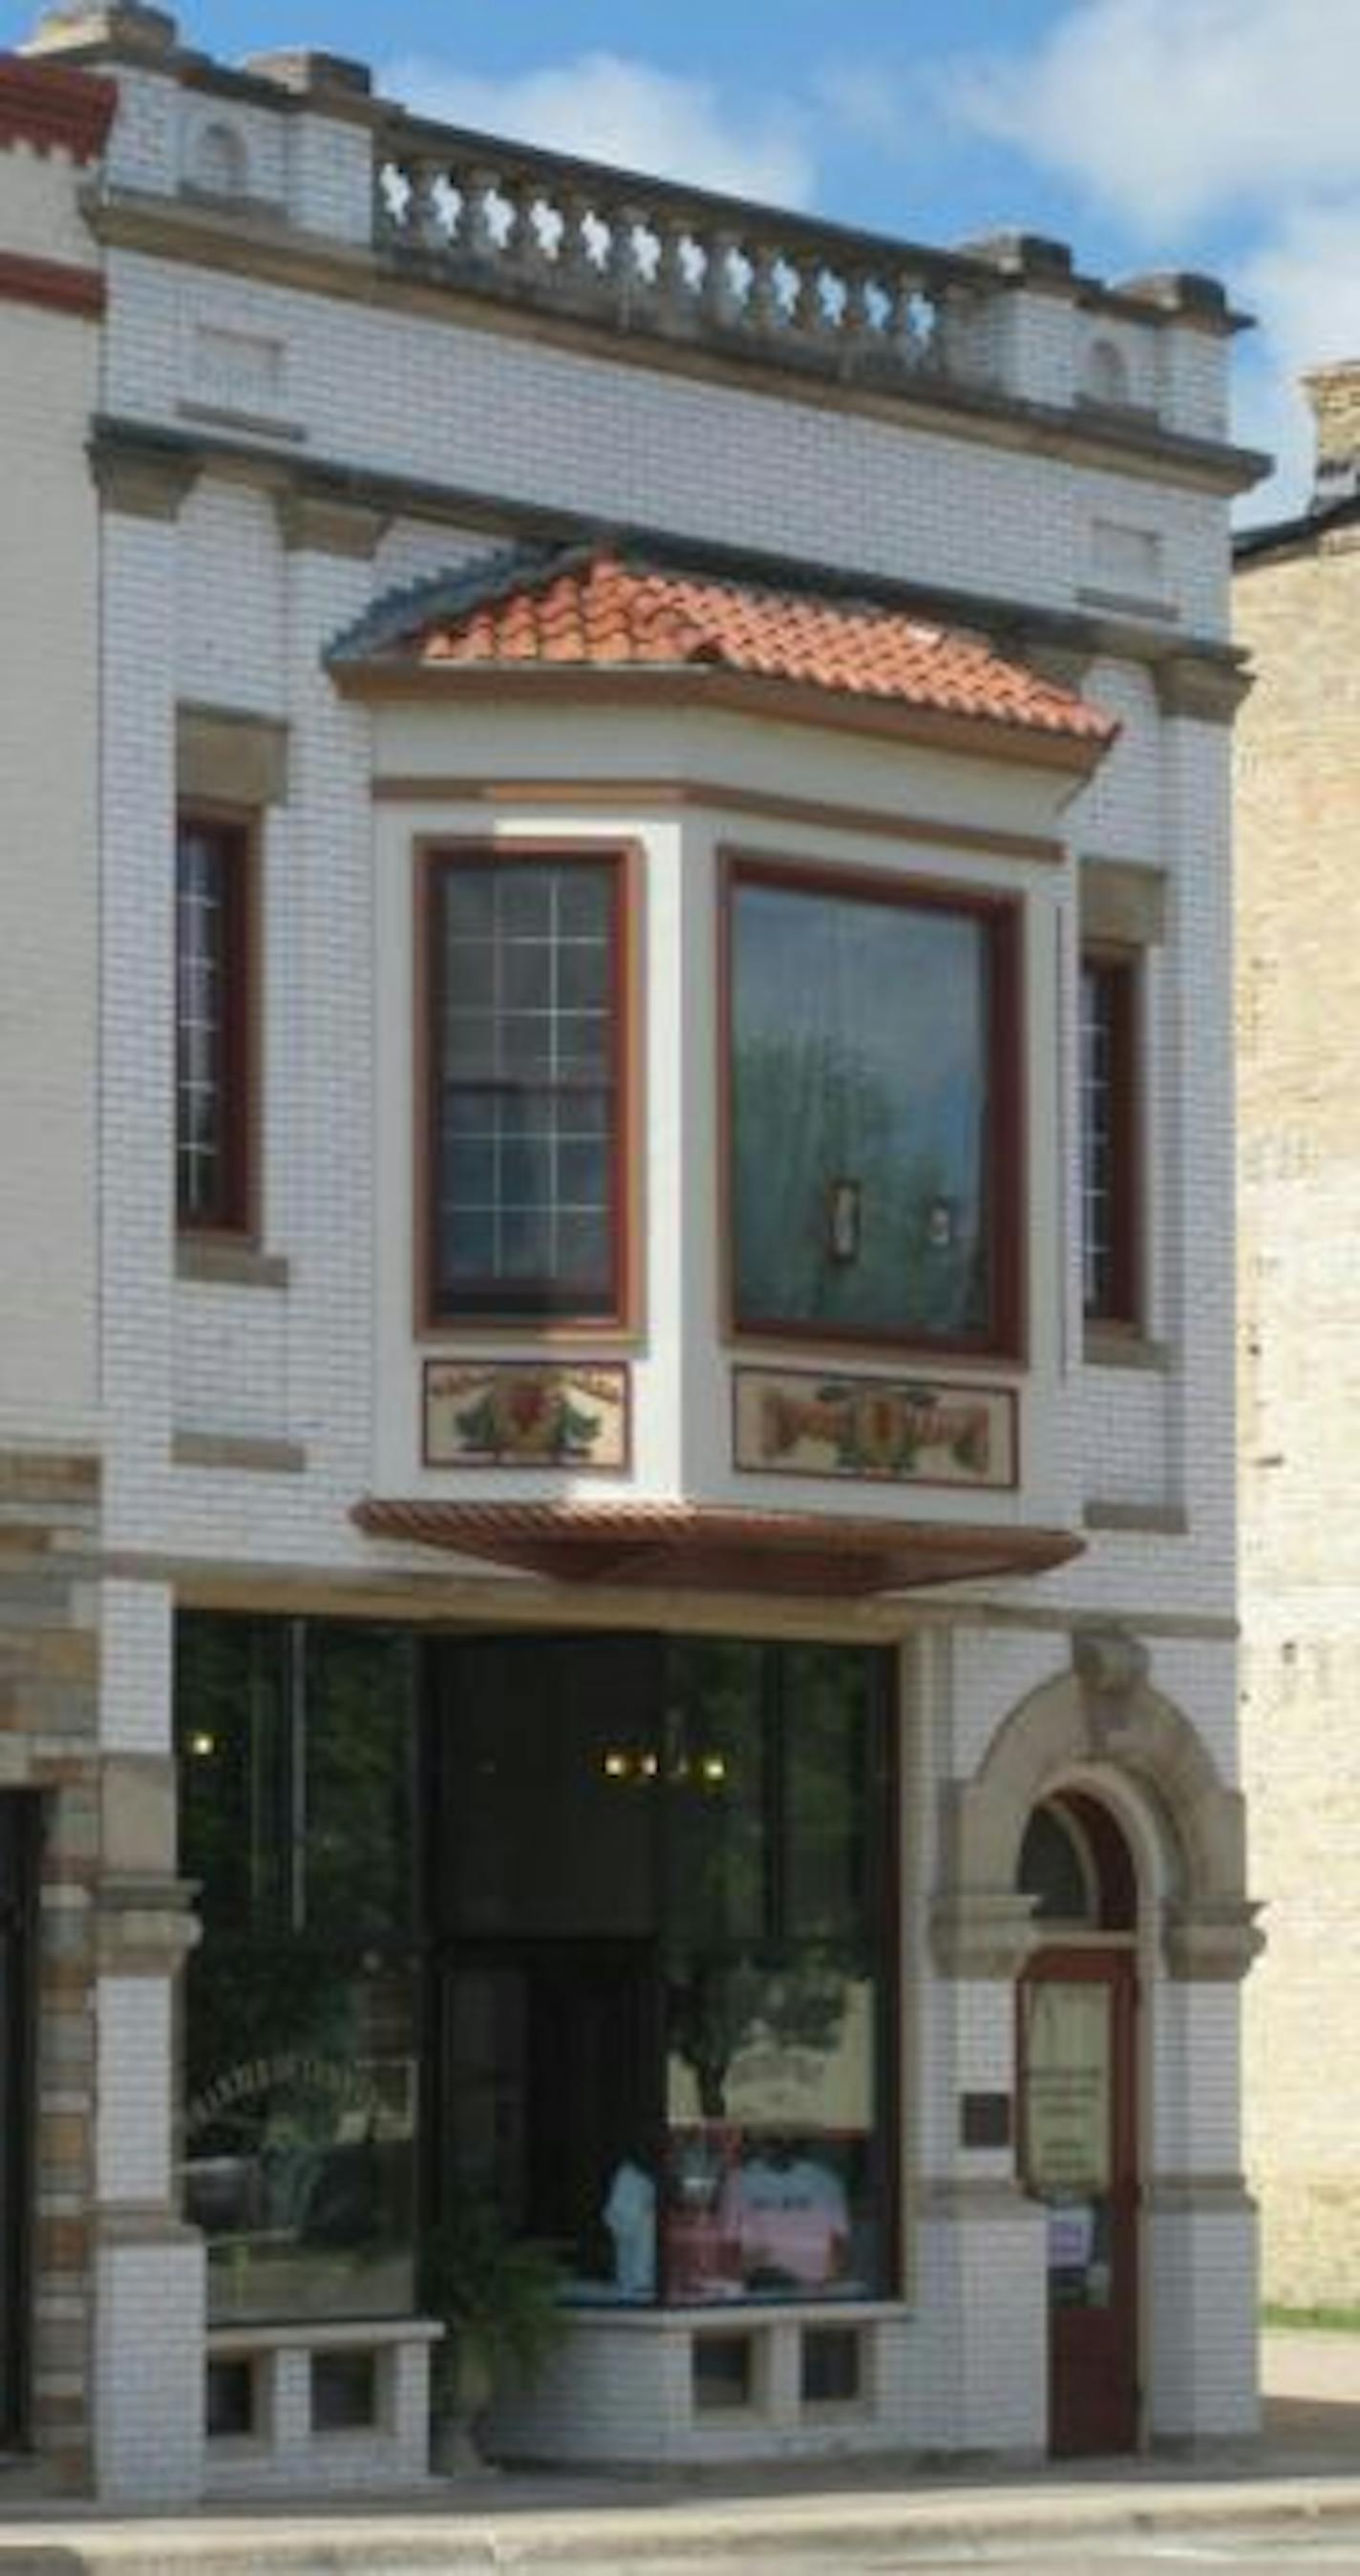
[(526, 1085), (1109, 1137), (212, 1022)]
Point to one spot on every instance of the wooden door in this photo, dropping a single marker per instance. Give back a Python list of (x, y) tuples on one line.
[(1078, 2144)]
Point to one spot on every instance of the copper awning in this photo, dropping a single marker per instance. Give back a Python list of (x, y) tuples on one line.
[(698, 1547)]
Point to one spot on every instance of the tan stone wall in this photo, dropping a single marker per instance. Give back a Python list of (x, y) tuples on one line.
[(49, 1663), (1298, 846)]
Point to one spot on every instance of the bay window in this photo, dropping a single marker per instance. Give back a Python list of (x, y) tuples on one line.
[(874, 1180)]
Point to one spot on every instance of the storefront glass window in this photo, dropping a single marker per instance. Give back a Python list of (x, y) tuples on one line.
[(639, 1885), (663, 2051), (300, 2095)]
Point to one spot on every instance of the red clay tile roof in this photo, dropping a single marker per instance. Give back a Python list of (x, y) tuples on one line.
[(603, 612)]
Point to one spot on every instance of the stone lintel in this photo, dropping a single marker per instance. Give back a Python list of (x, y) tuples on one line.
[(1124, 902), (227, 757)]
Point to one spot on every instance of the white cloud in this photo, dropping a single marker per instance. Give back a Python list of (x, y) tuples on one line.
[(1169, 111), (1303, 282), (607, 107)]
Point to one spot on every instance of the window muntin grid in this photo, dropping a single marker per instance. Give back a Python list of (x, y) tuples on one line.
[(209, 1068), (526, 1086), (1107, 1181)]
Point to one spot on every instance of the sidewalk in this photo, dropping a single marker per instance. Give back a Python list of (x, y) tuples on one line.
[(1307, 2467)]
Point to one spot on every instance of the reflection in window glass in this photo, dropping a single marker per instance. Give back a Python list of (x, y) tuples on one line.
[(300, 2105), (771, 2190), (526, 1070), (658, 1868), (863, 1107)]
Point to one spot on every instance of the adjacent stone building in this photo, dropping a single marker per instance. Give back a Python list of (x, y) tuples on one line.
[(1297, 603), (616, 1453)]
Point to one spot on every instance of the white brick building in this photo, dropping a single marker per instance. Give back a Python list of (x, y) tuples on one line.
[(615, 1412)]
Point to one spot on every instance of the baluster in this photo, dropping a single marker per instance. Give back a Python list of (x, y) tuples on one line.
[(389, 212), (578, 267), (674, 283), (765, 309), (823, 306), (425, 224), (720, 293), (798, 300), (912, 322), (477, 234), (520, 248), (621, 259), (858, 325)]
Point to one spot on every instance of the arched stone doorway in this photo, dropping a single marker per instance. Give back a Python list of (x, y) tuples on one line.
[(1148, 1868)]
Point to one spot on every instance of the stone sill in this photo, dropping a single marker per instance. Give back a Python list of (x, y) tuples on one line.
[(738, 2315), (1122, 1346), (321, 2334), (220, 1261)]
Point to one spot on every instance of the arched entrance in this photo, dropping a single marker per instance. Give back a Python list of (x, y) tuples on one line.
[(1076, 2062)]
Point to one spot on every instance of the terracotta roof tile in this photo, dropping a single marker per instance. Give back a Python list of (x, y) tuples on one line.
[(601, 611)]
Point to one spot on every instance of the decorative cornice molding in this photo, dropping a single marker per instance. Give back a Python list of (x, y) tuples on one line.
[(318, 524), (145, 485), (52, 108), (1014, 626), (1187, 685)]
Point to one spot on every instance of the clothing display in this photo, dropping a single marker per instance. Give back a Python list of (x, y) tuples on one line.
[(630, 2216)]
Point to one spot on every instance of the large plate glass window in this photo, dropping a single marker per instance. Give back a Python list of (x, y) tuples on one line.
[(874, 1152), (294, 1742), (659, 1871)]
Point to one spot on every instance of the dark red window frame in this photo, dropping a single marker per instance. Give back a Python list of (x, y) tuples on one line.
[(214, 860), (1111, 1145), (1002, 918), (549, 1300)]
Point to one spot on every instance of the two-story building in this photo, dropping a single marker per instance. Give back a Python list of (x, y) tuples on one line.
[(615, 1398)]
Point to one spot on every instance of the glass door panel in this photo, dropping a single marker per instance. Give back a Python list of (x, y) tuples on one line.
[(1077, 2139)]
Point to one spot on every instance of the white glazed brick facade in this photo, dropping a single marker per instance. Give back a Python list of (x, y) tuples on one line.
[(441, 431)]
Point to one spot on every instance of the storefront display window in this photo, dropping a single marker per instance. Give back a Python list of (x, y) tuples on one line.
[(301, 2069), (626, 1983), (667, 2060)]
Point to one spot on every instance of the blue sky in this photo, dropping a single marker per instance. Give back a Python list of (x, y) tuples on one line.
[(1216, 134)]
